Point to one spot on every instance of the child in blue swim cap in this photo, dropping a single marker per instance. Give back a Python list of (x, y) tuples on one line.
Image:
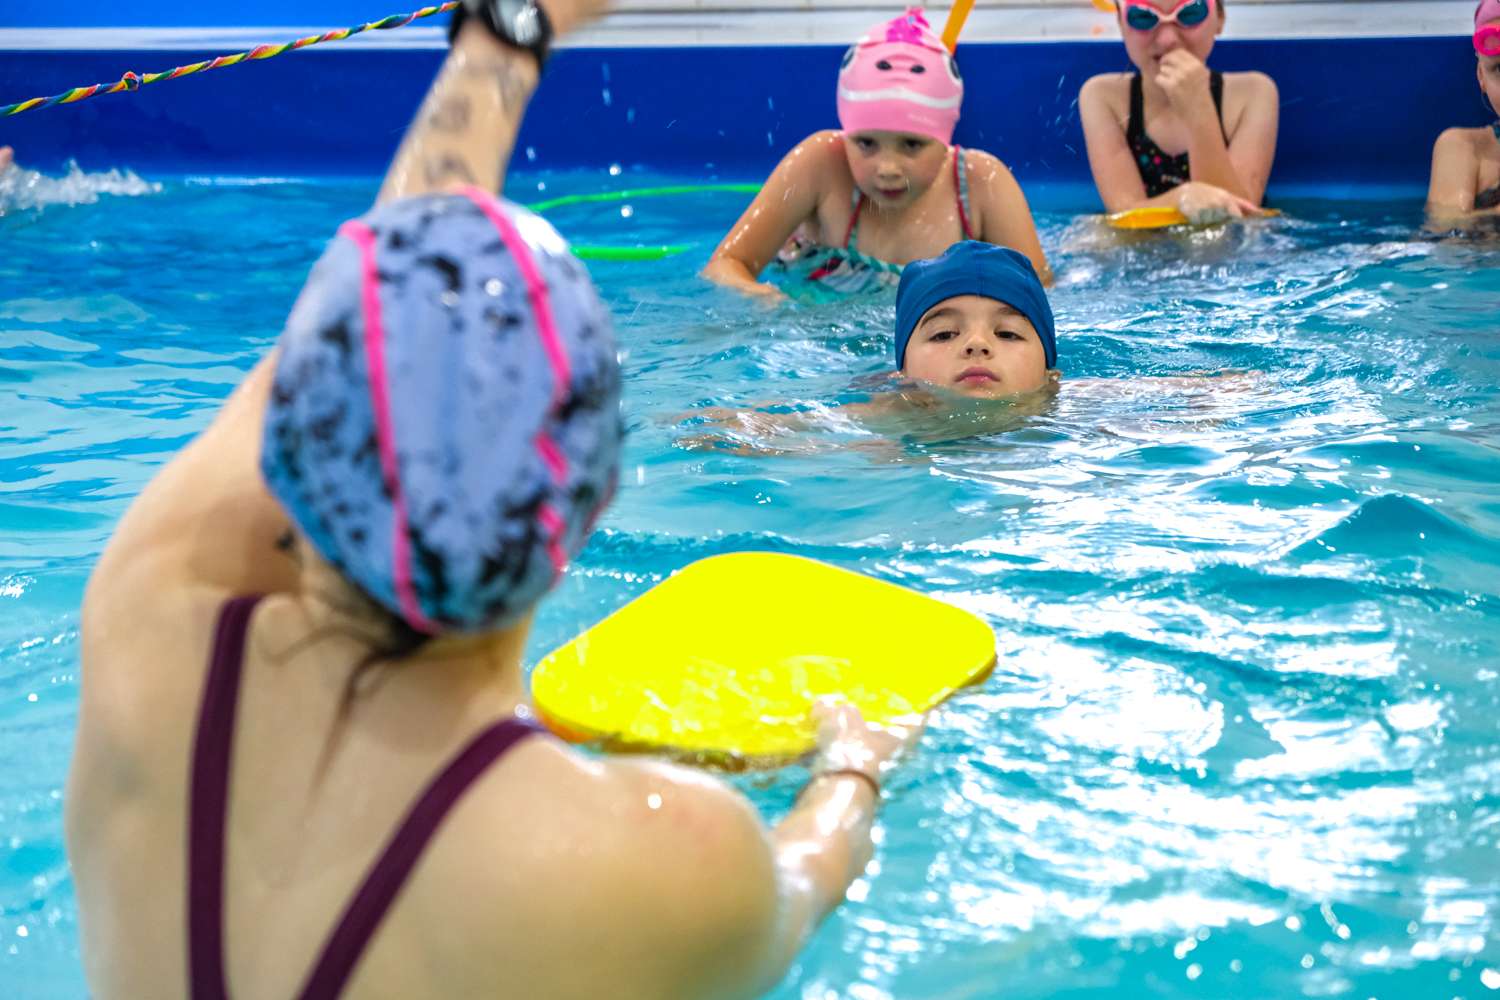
[(975, 321)]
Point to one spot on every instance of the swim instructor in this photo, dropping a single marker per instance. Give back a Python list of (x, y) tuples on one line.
[(333, 789)]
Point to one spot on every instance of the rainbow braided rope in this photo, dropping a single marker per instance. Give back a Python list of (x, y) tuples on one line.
[(133, 81)]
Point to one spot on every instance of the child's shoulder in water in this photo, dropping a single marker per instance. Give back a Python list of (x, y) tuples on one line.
[(820, 163), (825, 148), (1465, 175), (1479, 142)]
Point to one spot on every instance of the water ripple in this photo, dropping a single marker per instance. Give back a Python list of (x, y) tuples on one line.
[(1242, 736)]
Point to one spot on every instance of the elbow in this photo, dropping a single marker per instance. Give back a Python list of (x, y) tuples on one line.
[(724, 268), (714, 270)]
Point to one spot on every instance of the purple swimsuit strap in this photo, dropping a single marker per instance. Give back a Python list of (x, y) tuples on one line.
[(207, 812)]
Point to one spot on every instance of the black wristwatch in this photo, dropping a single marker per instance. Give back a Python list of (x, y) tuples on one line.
[(522, 23)]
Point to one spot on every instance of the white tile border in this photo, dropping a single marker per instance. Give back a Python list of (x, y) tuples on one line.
[(672, 25)]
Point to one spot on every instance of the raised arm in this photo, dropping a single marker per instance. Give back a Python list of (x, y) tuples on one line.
[(207, 519), (466, 128), (789, 197)]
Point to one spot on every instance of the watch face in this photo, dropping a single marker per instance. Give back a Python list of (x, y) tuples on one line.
[(522, 18)]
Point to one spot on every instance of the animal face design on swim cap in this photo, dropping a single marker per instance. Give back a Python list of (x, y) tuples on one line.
[(900, 78)]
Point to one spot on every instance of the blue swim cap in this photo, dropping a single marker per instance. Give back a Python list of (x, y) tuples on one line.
[(444, 424), (973, 268)]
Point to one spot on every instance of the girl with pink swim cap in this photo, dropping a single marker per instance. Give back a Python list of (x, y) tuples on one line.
[(1175, 133), (1465, 181), (885, 189)]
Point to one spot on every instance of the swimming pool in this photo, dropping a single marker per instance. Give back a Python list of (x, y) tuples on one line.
[(1244, 734)]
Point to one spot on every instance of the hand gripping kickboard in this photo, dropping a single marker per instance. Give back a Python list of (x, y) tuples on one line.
[(723, 660)]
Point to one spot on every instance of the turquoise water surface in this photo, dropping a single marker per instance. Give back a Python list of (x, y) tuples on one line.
[(1244, 734)]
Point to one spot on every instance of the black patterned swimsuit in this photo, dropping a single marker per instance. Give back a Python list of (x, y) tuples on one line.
[(1159, 171)]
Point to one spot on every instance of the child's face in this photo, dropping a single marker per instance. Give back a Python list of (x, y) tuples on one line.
[(977, 347), (1146, 48), (893, 169)]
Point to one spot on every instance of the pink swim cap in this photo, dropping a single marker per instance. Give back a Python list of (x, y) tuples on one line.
[(901, 78), (1487, 11)]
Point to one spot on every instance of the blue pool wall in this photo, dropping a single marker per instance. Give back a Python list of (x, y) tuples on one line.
[(1358, 117), (172, 13)]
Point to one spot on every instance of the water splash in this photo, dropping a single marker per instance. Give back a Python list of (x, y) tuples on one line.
[(24, 190)]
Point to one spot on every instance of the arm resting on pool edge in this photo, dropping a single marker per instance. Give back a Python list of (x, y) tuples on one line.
[(1240, 165), (207, 518), (1113, 165)]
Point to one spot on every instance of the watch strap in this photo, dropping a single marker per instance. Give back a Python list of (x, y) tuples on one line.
[(485, 11)]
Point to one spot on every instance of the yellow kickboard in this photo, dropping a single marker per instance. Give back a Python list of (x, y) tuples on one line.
[(1152, 217), (1162, 216), (724, 659)]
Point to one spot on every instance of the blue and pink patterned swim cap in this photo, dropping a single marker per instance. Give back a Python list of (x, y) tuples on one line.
[(444, 424)]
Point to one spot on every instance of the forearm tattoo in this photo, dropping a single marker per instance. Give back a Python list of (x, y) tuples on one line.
[(513, 87), (443, 168), (460, 124), (451, 114)]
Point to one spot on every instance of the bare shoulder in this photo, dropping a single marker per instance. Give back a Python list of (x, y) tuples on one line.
[(1459, 142), (144, 652), (986, 169), (820, 150), (978, 162), (142, 631), (817, 165), (1111, 90), (1250, 86), (625, 859)]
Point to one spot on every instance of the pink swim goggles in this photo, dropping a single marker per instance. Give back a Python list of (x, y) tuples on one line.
[(1487, 36), (1189, 14), (1487, 40)]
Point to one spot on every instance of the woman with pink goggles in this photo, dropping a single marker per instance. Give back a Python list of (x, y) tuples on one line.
[(1466, 161), (1174, 132), (886, 188)]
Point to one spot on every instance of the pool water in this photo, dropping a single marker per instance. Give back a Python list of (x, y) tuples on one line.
[(1244, 734)]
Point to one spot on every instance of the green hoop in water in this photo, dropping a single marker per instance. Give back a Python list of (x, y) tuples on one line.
[(595, 252), (587, 252)]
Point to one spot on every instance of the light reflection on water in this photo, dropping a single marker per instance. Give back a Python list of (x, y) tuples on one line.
[(1242, 737)]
